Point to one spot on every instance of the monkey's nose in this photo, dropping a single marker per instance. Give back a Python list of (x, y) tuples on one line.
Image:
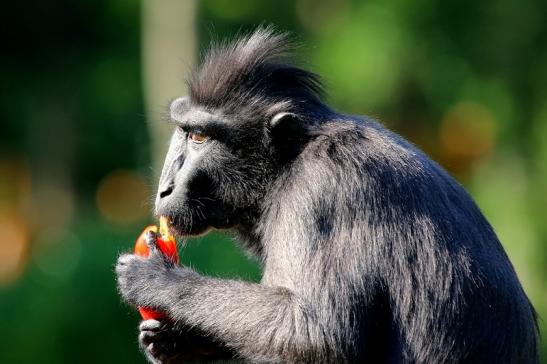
[(166, 191)]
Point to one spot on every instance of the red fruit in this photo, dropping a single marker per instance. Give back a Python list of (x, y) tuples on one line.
[(141, 248), (167, 245)]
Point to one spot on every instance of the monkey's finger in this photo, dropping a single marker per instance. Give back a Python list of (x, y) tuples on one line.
[(155, 251), (150, 325), (148, 337), (151, 240), (162, 348)]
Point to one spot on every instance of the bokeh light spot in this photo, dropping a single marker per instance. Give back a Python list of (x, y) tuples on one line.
[(13, 246), (56, 252), (46, 196), (467, 131), (121, 197)]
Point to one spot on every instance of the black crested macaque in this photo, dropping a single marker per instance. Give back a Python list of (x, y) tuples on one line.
[(371, 252)]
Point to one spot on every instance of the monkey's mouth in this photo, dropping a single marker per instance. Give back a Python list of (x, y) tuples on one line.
[(193, 219), (186, 227)]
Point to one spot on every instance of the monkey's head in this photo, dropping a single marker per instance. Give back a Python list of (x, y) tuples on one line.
[(245, 119)]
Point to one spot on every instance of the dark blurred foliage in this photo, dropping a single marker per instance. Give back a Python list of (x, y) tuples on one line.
[(465, 80), (71, 72)]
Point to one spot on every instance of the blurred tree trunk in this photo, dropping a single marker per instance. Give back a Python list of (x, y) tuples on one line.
[(168, 54)]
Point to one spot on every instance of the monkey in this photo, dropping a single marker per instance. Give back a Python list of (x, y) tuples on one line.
[(370, 251)]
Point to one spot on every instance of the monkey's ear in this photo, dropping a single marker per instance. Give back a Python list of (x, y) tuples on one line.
[(288, 134), (178, 107), (285, 126), (282, 118)]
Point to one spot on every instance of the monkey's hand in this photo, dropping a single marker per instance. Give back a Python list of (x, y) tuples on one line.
[(148, 282), (164, 342)]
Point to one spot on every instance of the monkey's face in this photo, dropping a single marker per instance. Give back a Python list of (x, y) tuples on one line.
[(216, 170)]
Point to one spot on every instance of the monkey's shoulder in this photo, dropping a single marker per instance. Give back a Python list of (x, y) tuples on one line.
[(350, 140), (372, 161)]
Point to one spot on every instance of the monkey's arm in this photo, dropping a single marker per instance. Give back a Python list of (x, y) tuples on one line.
[(260, 323)]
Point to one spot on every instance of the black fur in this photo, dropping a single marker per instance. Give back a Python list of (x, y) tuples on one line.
[(250, 79), (371, 252)]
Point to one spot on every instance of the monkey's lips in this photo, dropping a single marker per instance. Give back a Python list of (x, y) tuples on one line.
[(183, 230)]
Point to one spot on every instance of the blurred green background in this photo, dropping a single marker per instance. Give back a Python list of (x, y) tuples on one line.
[(84, 85)]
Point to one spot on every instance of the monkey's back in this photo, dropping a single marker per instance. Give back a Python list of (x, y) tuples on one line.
[(405, 237)]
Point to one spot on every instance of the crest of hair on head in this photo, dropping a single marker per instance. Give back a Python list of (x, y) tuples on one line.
[(253, 76)]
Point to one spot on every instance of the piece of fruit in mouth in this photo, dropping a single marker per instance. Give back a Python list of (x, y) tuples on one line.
[(167, 244)]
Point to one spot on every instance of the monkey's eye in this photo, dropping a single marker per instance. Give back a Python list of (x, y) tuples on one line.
[(197, 137)]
